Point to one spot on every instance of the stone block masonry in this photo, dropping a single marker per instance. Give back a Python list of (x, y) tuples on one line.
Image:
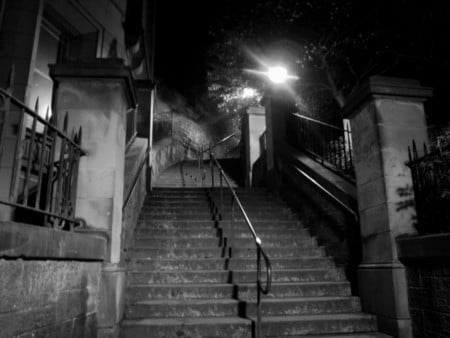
[(43, 298), (428, 275)]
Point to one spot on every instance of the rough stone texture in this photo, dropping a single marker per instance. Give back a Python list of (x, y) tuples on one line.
[(386, 115), (48, 298), (23, 240), (97, 96), (428, 276)]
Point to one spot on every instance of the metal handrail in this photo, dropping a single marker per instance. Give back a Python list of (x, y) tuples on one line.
[(259, 250), (226, 138), (318, 122), (200, 153), (136, 179), (326, 192)]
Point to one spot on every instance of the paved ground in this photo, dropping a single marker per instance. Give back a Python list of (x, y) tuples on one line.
[(186, 174)]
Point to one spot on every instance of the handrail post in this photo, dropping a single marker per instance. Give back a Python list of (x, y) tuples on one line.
[(232, 210), (258, 291), (212, 167), (199, 170), (221, 196)]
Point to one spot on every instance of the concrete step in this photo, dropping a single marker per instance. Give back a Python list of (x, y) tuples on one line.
[(276, 252), (304, 306), (217, 252), (179, 291), (223, 263), (334, 324), (229, 327), (247, 291), (236, 276), (260, 223), (349, 335), (199, 253), (188, 216), (183, 308), (193, 232), (268, 242), (244, 292), (244, 232), (176, 224), (176, 242), (157, 203)]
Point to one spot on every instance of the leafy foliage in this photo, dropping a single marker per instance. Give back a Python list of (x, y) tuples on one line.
[(332, 45)]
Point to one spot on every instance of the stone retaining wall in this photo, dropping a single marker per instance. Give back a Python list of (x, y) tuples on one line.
[(44, 298), (428, 276)]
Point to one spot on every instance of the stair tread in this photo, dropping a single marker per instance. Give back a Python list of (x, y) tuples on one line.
[(344, 335), (187, 321), (186, 301), (169, 285), (316, 317)]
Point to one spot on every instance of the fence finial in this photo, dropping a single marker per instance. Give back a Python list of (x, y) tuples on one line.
[(10, 84), (36, 106), (414, 149), (80, 134), (66, 122)]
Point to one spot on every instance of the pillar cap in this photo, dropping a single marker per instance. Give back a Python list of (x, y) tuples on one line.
[(259, 110), (382, 86), (108, 68)]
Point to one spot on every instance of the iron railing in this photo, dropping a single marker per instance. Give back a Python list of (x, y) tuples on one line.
[(431, 186), (44, 162), (329, 144), (207, 150), (260, 253)]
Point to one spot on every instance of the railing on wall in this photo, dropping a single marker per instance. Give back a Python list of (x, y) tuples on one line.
[(131, 126), (431, 185), (329, 144), (44, 162)]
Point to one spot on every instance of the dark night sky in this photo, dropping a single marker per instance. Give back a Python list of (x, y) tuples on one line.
[(182, 40)]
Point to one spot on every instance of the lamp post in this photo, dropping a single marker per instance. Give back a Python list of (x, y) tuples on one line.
[(278, 103)]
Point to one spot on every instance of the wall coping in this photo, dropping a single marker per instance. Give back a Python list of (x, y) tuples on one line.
[(31, 241), (97, 68), (427, 246), (258, 111), (382, 86)]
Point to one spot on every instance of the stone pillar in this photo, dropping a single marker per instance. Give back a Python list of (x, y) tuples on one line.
[(254, 126), (386, 114), (96, 97), (278, 104)]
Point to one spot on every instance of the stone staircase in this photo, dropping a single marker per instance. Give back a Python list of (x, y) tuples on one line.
[(190, 275)]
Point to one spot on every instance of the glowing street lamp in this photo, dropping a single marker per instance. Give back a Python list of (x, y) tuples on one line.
[(279, 75)]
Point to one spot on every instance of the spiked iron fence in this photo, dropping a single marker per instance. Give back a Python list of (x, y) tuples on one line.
[(329, 144), (431, 184), (41, 162)]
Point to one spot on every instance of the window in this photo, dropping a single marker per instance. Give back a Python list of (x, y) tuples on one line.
[(50, 50)]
